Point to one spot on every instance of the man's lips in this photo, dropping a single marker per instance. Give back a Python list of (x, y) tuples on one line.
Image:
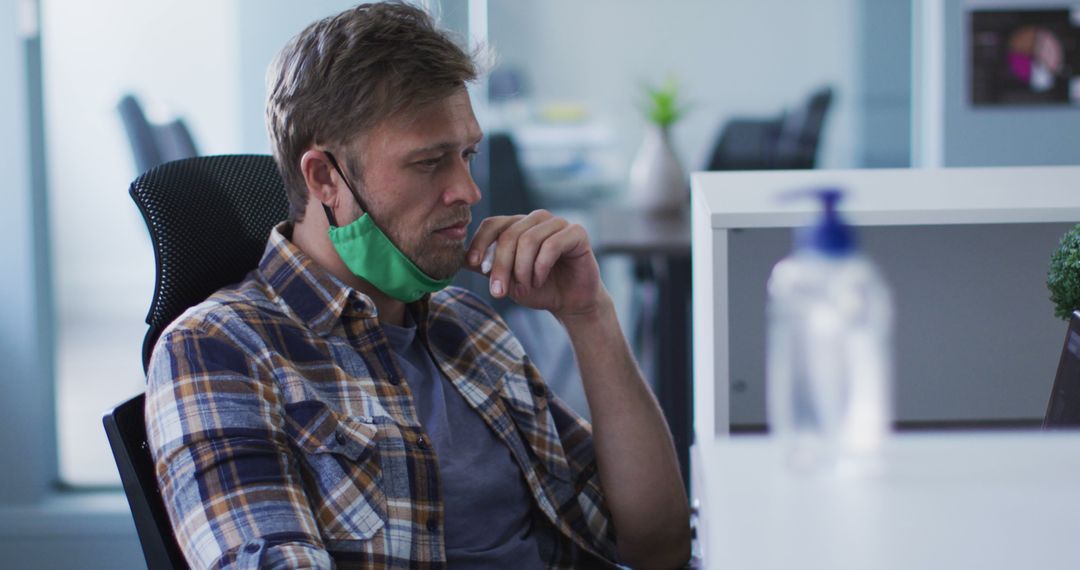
[(454, 231)]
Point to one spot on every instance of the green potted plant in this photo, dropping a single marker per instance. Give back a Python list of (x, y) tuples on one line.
[(663, 107), (1063, 279), (657, 181)]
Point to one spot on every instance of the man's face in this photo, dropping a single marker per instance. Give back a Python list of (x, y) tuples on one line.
[(417, 182)]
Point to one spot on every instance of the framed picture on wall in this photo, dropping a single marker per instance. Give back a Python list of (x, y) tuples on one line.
[(1025, 57)]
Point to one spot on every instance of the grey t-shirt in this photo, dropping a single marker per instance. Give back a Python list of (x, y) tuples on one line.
[(487, 505)]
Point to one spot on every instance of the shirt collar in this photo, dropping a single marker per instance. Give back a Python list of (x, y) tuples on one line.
[(312, 294)]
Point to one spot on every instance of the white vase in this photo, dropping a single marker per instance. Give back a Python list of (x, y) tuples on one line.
[(657, 181)]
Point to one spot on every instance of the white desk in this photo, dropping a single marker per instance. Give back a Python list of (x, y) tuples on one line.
[(984, 501)]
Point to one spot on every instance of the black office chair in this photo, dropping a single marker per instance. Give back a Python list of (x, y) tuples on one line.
[(745, 144), (154, 144), (127, 437), (209, 219), (1063, 409), (789, 141), (800, 132), (511, 192)]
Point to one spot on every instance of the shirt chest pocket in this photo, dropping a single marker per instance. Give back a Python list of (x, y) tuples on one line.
[(339, 462)]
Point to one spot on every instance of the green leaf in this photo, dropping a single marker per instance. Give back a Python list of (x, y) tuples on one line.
[(1063, 277), (663, 106)]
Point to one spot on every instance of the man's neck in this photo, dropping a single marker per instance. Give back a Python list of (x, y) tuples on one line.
[(312, 239)]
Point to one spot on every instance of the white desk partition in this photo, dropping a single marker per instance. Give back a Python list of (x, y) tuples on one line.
[(965, 252)]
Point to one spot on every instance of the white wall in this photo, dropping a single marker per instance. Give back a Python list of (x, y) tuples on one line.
[(179, 57), (745, 57), (262, 29)]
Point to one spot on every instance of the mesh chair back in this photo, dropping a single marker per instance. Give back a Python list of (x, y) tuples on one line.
[(209, 219)]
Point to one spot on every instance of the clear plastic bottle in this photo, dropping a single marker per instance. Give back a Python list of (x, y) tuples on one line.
[(829, 367)]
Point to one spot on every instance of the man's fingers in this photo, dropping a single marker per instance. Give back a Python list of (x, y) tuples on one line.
[(507, 249), (486, 234), (522, 250), (529, 245), (571, 241)]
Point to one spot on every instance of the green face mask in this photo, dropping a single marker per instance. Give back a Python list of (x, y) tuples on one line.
[(371, 256)]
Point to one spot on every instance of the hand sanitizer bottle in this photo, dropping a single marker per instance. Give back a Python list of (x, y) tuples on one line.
[(828, 373)]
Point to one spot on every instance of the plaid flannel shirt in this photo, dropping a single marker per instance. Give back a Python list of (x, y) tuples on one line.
[(285, 436)]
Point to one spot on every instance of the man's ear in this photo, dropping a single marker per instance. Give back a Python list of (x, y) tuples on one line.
[(319, 175)]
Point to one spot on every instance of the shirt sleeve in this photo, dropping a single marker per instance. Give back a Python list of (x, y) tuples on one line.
[(230, 485), (575, 436)]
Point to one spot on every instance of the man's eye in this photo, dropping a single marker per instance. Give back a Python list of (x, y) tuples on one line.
[(429, 162), (470, 155)]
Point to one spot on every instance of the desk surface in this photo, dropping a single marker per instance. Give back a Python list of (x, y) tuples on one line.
[(987, 501), (628, 231)]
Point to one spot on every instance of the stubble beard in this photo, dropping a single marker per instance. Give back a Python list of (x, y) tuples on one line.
[(440, 261), (435, 255)]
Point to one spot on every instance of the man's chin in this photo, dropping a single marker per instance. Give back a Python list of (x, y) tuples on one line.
[(444, 266), (440, 273)]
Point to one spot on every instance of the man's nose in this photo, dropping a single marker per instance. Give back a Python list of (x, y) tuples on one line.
[(462, 187)]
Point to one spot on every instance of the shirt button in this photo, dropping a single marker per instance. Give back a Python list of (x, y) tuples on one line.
[(538, 390), (340, 438), (432, 525), (422, 444), (252, 548)]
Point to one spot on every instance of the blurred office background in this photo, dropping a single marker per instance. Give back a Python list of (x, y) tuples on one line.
[(566, 85)]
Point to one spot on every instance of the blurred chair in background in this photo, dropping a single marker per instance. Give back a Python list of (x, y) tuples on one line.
[(789, 141), (511, 192), (800, 132), (745, 144), (154, 144)]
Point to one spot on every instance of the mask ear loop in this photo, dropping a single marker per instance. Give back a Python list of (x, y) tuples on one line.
[(356, 196)]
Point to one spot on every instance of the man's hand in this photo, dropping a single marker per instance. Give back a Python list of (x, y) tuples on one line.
[(541, 261)]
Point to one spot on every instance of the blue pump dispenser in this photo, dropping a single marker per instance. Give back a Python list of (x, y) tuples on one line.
[(829, 235)]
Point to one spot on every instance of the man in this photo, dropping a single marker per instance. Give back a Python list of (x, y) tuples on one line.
[(342, 406)]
